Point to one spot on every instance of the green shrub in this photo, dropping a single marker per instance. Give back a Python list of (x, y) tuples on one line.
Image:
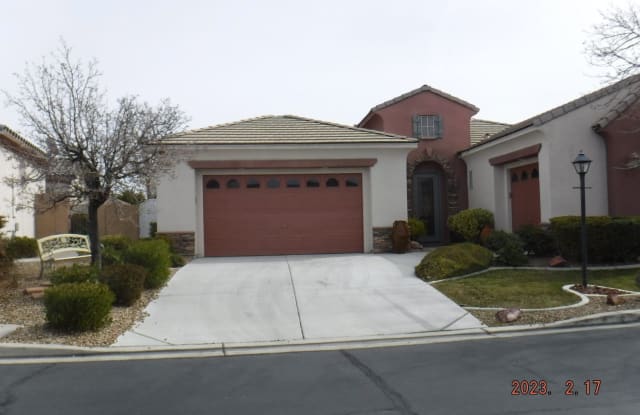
[(508, 248), (417, 228), (78, 307), (453, 260), (470, 222), (22, 247), (74, 274), (609, 239), (154, 256), (126, 281), (114, 248), (537, 240), (6, 261), (177, 261)]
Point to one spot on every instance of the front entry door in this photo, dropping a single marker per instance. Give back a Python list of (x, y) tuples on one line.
[(427, 204)]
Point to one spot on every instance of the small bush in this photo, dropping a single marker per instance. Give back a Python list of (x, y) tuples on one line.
[(114, 248), (470, 222), (453, 260), (177, 261), (22, 247), (126, 281), (537, 240), (154, 256), (508, 248), (74, 274), (417, 228), (6, 261), (78, 307)]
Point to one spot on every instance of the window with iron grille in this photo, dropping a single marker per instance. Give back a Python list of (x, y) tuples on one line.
[(427, 126)]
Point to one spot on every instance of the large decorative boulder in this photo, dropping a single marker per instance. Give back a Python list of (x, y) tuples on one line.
[(615, 299), (508, 315), (557, 261)]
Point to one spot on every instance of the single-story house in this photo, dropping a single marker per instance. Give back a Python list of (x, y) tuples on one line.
[(282, 185), (524, 174), (17, 156)]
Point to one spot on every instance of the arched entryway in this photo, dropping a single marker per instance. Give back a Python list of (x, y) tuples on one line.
[(428, 199)]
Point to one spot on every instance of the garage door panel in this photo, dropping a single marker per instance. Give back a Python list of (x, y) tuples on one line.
[(283, 220)]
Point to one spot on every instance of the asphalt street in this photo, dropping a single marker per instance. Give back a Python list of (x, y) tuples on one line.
[(587, 372)]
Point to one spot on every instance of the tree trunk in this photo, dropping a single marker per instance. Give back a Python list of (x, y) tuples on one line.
[(94, 235)]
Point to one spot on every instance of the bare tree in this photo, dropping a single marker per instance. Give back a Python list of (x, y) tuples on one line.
[(615, 42), (93, 150)]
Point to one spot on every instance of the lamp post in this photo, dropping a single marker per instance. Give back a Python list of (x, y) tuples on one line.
[(581, 165)]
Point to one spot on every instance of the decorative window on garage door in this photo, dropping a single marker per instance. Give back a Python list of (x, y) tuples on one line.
[(213, 184)]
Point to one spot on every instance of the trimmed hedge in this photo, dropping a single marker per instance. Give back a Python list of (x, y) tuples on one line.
[(453, 260), (538, 240), (508, 248), (22, 247), (609, 239), (74, 274), (126, 281), (78, 307), (154, 256), (470, 222)]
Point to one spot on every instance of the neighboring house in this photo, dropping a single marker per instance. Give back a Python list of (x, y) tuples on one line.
[(436, 177), (282, 185), (17, 157), (483, 129), (524, 174)]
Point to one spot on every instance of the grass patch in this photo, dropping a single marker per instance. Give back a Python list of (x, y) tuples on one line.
[(529, 288)]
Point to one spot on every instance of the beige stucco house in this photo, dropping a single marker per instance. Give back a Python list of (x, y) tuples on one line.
[(282, 185)]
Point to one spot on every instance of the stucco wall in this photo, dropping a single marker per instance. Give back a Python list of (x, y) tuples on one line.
[(16, 203), (561, 140), (147, 212), (179, 202)]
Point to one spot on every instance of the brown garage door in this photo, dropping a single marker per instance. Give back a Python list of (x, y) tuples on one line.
[(525, 196), (282, 214)]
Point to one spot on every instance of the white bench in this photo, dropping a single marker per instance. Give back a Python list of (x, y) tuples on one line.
[(57, 248)]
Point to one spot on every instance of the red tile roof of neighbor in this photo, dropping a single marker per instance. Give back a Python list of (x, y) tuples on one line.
[(16, 141)]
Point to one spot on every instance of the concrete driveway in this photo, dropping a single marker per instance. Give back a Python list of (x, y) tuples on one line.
[(255, 299)]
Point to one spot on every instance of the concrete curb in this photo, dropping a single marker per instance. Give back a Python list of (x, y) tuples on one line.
[(16, 353)]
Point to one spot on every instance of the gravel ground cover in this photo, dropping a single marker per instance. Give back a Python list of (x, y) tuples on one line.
[(17, 308)]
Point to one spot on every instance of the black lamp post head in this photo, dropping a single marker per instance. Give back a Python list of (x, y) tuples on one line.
[(581, 163)]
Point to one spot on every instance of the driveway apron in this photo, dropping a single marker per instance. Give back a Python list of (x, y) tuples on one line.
[(255, 299)]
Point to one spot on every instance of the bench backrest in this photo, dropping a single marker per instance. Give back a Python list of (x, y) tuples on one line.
[(67, 242)]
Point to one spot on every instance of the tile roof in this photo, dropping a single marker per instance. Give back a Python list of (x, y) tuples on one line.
[(283, 129), (20, 142), (632, 96), (482, 129), (423, 88), (561, 110)]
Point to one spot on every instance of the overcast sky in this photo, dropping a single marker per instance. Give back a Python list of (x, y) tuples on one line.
[(222, 61)]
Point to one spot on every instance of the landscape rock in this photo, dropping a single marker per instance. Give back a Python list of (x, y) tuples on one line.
[(614, 299), (416, 245), (557, 261), (508, 315)]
